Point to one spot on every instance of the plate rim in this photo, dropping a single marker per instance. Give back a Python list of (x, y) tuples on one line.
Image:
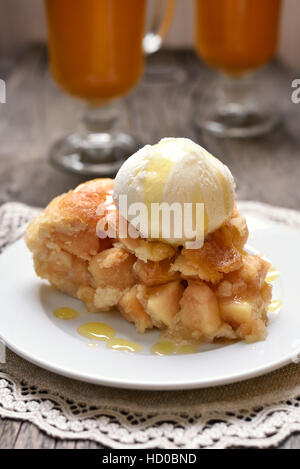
[(144, 386)]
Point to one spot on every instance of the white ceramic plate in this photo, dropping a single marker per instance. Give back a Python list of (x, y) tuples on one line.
[(29, 328)]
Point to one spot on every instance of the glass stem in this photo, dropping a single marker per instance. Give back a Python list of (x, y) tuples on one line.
[(239, 108), (99, 119), (236, 96)]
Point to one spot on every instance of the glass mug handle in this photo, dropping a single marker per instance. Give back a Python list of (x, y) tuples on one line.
[(154, 38)]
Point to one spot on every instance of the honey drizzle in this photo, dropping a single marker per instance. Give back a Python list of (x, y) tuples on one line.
[(123, 345), (102, 332), (166, 347), (65, 313), (96, 331), (275, 305), (272, 275)]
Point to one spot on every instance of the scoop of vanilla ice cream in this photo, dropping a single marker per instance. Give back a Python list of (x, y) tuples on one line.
[(176, 170)]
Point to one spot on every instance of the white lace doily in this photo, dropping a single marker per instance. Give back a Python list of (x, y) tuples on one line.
[(259, 412)]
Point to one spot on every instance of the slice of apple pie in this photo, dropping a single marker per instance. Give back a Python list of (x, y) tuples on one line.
[(195, 295)]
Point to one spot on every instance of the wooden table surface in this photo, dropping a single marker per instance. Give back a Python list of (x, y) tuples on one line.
[(266, 169)]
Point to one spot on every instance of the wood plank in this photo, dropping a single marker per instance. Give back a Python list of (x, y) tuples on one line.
[(65, 444), (9, 430), (292, 442), (30, 437), (88, 445)]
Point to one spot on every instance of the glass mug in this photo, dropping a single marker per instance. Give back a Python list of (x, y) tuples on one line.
[(97, 50), (236, 37)]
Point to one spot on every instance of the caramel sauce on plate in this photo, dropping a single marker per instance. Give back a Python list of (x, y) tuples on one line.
[(103, 332), (272, 275), (96, 330), (274, 306), (166, 347), (123, 345), (65, 313)]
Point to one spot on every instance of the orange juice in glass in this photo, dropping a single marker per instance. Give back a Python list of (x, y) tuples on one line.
[(96, 50), (236, 37)]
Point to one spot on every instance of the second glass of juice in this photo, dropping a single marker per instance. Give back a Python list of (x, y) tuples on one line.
[(237, 37)]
